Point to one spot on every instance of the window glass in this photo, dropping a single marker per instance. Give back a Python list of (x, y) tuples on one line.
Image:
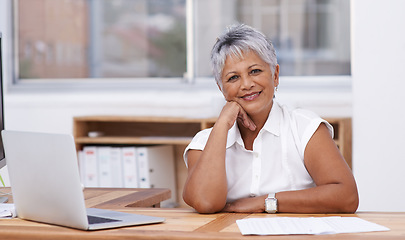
[(147, 38), (311, 37), (101, 38)]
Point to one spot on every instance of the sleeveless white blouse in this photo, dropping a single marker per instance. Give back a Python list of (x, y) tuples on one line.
[(276, 163)]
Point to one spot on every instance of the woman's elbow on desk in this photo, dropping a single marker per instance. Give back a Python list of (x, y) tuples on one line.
[(346, 196), (346, 200), (351, 204), (203, 205), (206, 207)]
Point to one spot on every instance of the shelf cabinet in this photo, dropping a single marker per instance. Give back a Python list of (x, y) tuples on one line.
[(133, 130), (129, 130), (137, 130)]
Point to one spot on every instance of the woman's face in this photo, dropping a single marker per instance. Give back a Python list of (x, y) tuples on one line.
[(249, 82)]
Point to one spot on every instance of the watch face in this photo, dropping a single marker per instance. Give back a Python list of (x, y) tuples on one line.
[(271, 205)]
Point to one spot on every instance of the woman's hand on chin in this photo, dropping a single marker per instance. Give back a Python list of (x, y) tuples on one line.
[(232, 111)]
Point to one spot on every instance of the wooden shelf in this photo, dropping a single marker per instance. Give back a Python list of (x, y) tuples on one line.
[(119, 140), (137, 130)]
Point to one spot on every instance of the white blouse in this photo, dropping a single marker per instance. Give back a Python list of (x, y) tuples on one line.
[(277, 161)]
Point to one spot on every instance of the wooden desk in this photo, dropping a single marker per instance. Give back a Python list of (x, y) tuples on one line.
[(186, 224), (119, 197), (108, 198), (180, 223)]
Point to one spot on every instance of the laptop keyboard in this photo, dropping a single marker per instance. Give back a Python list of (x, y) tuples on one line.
[(96, 220)]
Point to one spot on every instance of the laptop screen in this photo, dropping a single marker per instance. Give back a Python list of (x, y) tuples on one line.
[(2, 159)]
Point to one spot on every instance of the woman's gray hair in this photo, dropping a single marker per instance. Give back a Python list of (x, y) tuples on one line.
[(236, 40)]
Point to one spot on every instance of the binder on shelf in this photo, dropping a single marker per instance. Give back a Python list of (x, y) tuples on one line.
[(116, 167), (143, 167), (82, 169), (90, 166), (130, 168), (156, 169), (104, 167)]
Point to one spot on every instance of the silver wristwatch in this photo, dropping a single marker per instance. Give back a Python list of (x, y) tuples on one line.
[(270, 204)]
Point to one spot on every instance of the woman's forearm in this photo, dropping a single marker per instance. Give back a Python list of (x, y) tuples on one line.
[(206, 186), (329, 198)]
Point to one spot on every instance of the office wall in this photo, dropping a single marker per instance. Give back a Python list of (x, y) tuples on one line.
[(378, 103)]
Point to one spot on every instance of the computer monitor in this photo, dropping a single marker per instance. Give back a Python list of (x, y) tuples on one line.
[(2, 159)]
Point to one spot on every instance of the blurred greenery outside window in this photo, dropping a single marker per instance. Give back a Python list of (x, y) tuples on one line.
[(147, 39)]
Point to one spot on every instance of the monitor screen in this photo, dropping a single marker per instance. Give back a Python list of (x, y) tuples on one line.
[(2, 159)]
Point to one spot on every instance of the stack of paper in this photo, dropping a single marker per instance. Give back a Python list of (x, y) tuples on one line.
[(7, 210), (312, 225)]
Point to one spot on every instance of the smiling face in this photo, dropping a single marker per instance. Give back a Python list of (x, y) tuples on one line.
[(249, 82)]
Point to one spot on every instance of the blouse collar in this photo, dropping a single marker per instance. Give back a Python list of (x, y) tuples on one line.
[(272, 125)]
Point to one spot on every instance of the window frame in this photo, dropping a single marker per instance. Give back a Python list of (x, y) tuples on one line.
[(341, 83)]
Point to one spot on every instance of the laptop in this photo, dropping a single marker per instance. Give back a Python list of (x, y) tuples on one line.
[(46, 187)]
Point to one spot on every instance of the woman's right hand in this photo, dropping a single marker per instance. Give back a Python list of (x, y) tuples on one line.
[(231, 112)]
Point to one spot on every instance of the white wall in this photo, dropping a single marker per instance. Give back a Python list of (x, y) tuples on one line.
[(378, 74)]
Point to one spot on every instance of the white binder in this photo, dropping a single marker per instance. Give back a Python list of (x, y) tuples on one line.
[(91, 166), (104, 166), (130, 168), (116, 167), (157, 169)]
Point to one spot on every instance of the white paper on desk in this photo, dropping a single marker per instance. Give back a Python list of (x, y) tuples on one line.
[(312, 225), (7, 210)]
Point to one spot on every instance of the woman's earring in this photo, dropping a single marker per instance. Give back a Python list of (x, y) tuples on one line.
[(275, 90)]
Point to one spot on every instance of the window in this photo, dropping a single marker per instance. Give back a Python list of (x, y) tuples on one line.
[(147, 39), (107, 38), (311, 37)]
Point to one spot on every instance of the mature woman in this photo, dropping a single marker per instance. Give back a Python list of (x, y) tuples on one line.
[(260, 156)]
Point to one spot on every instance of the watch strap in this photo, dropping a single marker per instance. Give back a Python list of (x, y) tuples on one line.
[(271, 195)]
